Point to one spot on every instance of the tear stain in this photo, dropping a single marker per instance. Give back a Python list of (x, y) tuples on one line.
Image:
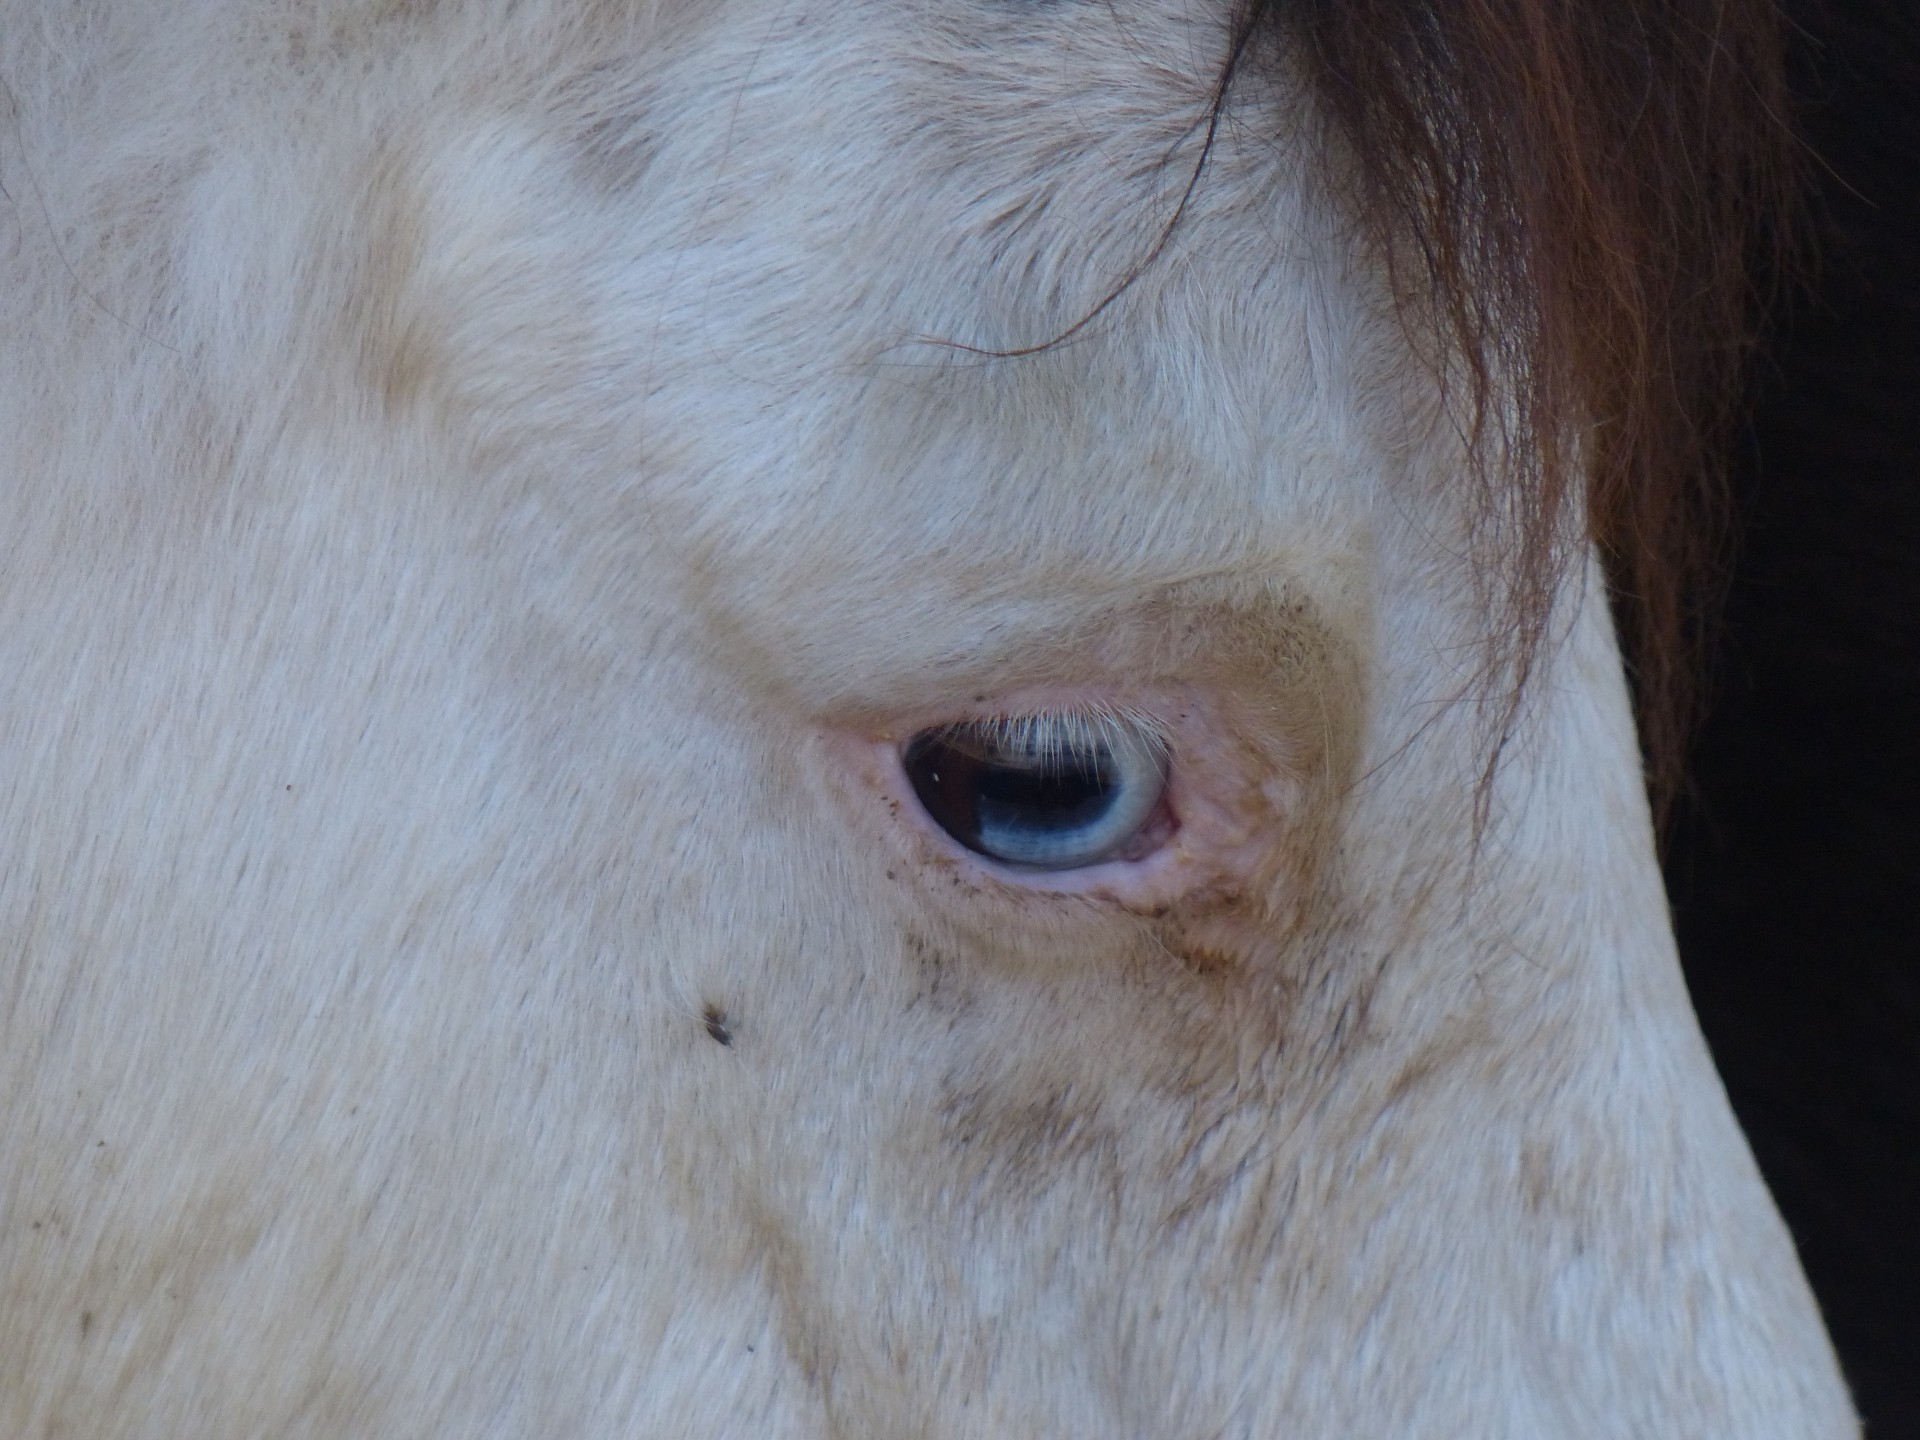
[(1017, 1142), (943, 983), (1205, 959), (388, 320)]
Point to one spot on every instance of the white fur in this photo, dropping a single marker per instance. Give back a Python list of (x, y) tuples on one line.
[(473, 473)]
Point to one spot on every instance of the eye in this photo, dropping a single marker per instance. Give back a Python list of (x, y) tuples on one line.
[(1044, 792)]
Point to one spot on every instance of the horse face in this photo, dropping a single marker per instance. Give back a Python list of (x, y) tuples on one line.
[(500, 953)]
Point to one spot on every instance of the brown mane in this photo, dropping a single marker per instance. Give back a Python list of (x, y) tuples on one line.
[(1590, 188)]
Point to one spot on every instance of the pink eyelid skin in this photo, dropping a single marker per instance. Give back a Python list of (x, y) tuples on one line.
[(1206, 833)]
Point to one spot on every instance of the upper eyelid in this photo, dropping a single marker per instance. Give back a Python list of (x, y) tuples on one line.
[(1062, 727)]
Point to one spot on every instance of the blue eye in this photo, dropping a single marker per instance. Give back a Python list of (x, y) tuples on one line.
[(1043, 792)]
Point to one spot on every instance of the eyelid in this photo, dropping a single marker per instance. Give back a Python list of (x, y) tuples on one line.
[(1055, 728), (1225, 810)]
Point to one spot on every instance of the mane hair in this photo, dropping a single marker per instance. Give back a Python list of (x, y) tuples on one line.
[(1575, 197)]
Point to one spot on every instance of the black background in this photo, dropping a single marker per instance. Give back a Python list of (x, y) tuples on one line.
[(1793, 864)]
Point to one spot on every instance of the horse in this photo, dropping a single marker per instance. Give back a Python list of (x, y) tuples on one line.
[(721, 718)]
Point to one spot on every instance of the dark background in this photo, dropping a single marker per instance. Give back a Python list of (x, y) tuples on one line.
[(1793, 864)]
